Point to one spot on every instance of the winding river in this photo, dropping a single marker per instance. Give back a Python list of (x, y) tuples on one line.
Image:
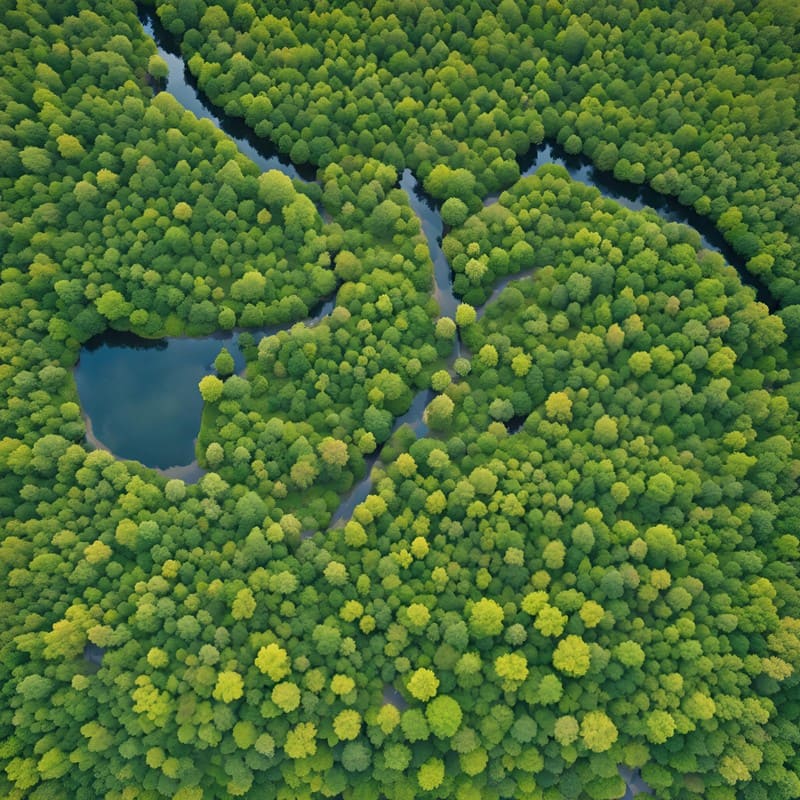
[(140, 397), (181, 84)]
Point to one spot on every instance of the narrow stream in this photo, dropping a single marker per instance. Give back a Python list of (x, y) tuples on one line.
[(359, 491), (140, 397), (182, 85), (636, 198)]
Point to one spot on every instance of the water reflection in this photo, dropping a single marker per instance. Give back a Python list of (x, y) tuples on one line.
[(637, 197), (141, 396), (426, 209)]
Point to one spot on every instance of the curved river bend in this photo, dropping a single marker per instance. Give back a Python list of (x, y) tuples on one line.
[(140, 397)]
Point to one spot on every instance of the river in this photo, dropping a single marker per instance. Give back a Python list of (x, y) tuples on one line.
[(139, 397)]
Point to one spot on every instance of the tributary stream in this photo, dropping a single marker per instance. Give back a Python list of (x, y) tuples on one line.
[(140, 397)]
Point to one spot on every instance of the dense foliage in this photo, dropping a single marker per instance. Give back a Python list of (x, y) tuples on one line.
[(589, 560), (317, 400), (697, 99)]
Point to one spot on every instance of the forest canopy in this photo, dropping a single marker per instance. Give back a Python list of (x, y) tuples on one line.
[(581, 563)]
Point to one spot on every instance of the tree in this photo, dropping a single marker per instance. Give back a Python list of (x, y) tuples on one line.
[(605, 431), (356, 757), (598, 732), (566, 730), (244, 604), (286, 696), (454, 211), (572, 41), (70, 147), (301, 741), (661, 488), (383, 219), (275, 189), (629, 654), (431, 774), (439, 412), (550, 621), (414, 725), (465, 315), (443, 181), (157, 67), (660, 726), (550, 690), (229, 687), (210, 388), (444, 716), (53, 764), (113, 306), (223, 364), (483, 480), (512, 669), (65, 640), (347, 724), (485, 618), (423, 684), (333, 452), (273, 661), (559, 407), (342, 685), (468, 670), (640, 363), (572, 656), (249, 288)]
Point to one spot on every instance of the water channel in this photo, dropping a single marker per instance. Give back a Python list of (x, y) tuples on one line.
[(140, 397)]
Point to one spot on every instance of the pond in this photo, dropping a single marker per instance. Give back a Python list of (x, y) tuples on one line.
[(140, 398)]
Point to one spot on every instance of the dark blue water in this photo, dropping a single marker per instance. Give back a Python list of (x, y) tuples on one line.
[(140, 396)]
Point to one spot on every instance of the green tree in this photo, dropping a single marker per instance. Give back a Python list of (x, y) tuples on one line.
[(512, 669), (301, 741), (229, 687), (572, 656), (223, 364), (430, 774), (423, 684), (210, 388), (444, 716), (273, 661), (598, 732), (485, 618), (347, 724)]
